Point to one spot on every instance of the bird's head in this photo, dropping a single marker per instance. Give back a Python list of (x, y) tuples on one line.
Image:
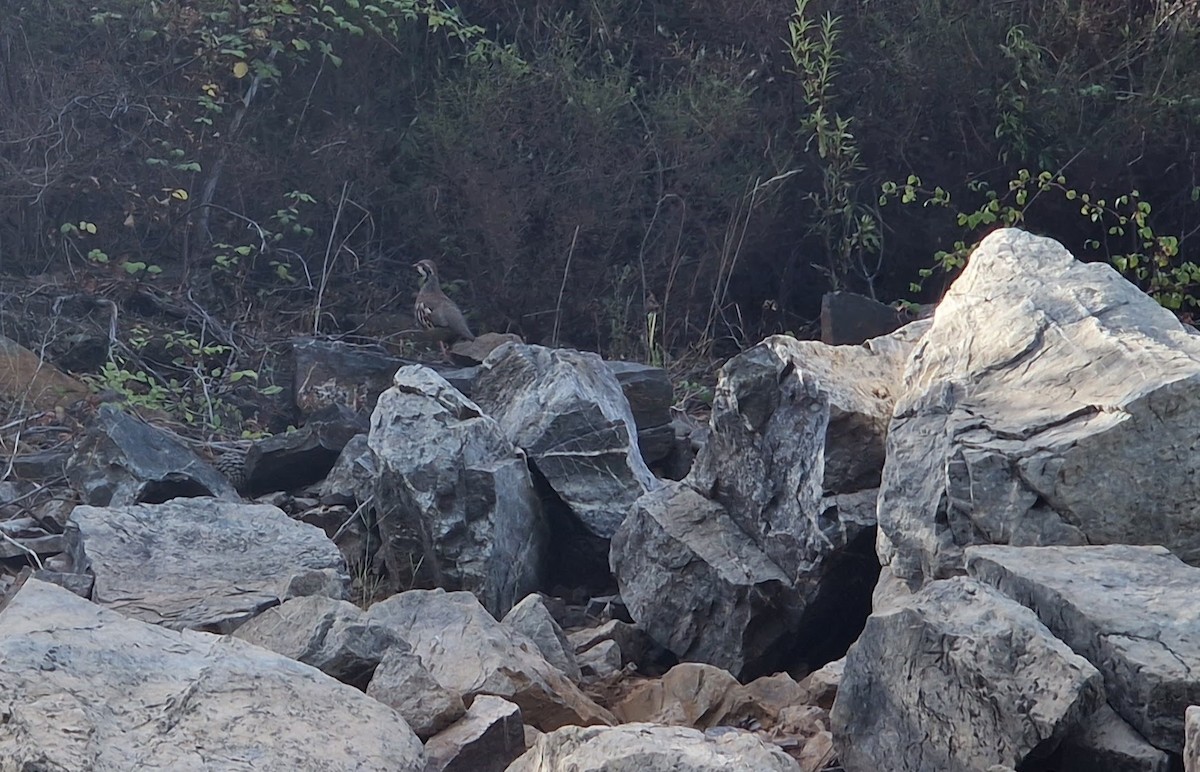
[(426, 268)]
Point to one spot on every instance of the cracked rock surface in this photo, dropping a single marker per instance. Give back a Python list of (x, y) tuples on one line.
[(1049, 401), (1131, 611)]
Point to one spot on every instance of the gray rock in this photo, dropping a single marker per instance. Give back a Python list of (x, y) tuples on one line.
[(794, 456), (566, 409), (1120, 607), (1041, 377), (403, 683), (633, 644), (650, 394), (698, 585), (601, 660), (469, 652), (957, 679), (1107, 742), (353, 474), (122, 460), (201, 564), (532, 618), (1191, 751), (650, 748), (89, 689), (848, 318), (333, 636), (454, 499), (487, 739), (332, 373), (297, 458), (795, 424)]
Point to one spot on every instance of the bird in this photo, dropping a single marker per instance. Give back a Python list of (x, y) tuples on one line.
[(437, 313)]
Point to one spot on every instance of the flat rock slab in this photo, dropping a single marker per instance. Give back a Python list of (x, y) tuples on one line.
[(84, 688), (203, 564), (956, 679), (650, 748), (1133, 612)]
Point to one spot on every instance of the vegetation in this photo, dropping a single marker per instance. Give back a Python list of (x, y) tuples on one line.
[(665, 180)]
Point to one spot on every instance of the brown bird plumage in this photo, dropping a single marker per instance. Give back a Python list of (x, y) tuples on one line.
[(436, 312)]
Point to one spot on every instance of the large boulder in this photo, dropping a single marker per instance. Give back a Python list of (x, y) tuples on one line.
[(89, 689), (957, 679), (795, 425), (784, 545), (1125, 609), (467, 651), (123, 460), (203, 564), (1048, 403), (650, 748), (698, 585), (454, 500), (565, 408)]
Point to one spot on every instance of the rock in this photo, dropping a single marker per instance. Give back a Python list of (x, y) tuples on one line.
[(958, 679), (23, 536), (333, 636), (331, 373), (354, 472), (1107, 742), (89, 689), (297, 458), (1119, 607), (202, 564), (454, 499), (763, 702), (650, 395), (698, 585), (566, 409), (689, 694), (26, 378), (402, 682), (795, 454), (475, 351), (122, 460), (632, 642), (817, 753), (848, 318), (1191, 751), (650, 748), (603, 608), (487, 739), (532, 618), (80, 584), (469, 652), (41, 465), (820, 687), (600, 661), (1039, 379)]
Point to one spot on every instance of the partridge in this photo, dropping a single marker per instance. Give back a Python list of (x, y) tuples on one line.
[(437, 313)]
